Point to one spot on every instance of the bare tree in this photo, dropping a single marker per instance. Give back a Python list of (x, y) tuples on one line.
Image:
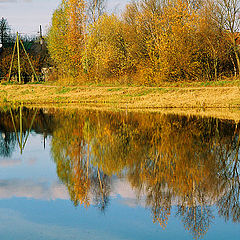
[(95, 9), (228, 16)]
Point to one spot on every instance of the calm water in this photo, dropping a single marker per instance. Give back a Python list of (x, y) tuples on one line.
[(71, 174)]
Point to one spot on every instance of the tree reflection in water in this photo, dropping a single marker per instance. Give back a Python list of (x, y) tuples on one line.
[(171, 160), (189, 162)]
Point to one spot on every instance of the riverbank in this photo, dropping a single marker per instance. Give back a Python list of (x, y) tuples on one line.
[(221, 102), (122, 97)]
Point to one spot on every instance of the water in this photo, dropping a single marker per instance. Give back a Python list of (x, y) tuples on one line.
[(79, 174)]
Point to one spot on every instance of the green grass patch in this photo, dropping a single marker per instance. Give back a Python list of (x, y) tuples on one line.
[(63, 90), (25, 92), (8, 83), (145, 92), (59, 99), (36, 83), (164, 90), (114, 89)]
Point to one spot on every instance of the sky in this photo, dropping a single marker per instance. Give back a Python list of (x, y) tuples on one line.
[(25, 16)]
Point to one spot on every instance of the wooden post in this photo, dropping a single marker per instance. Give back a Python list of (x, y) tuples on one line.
[(10, 71), (29, 60), (19, 66)]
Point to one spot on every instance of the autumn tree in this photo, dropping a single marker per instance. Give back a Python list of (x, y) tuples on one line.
[(153, 40), (176, 40), (75, 33), (56, 37), (106, 52), (168, 46), (138, 16), (66, 36), (215, 51)]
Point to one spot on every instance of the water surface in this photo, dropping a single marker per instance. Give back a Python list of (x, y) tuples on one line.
[(79, 174)]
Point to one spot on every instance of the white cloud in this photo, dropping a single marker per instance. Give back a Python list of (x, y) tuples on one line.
[(40, 190), (123, 188)]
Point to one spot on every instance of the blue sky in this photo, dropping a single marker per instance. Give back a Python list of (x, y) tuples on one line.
[(25, 16)]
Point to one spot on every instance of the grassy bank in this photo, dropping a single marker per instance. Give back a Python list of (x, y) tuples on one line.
[(217, 101), (132, 97)]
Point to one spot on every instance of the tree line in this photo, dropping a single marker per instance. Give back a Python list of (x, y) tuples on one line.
[(151, 41)]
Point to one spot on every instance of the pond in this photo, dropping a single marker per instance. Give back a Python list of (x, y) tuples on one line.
[(85, 174)]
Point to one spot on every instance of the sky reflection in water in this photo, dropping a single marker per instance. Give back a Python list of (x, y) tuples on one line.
[(100, 175)]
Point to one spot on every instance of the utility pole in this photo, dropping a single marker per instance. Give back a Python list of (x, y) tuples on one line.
[(41, 37), (18, 53), (17, 45), (40, 31)]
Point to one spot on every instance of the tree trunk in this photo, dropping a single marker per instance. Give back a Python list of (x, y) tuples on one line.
[(234, 66), (238, 60), (215, 69)]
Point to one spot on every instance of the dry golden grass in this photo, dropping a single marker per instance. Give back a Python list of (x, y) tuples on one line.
[(220, 102)]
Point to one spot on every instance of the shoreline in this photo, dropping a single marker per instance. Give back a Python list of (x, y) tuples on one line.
[(221, 102)]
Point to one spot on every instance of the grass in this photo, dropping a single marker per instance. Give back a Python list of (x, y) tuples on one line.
[(197, 95), (114, 89), (7, 83), (26, 92), (63, 90)]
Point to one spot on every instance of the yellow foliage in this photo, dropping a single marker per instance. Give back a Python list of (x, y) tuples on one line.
[(154, 41), (106, 50), (66, 36)]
